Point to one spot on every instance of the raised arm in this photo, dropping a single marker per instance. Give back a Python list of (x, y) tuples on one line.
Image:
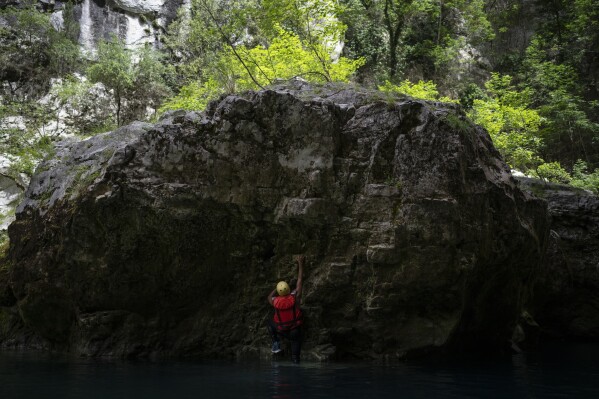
[(270, 296), (300, 259)]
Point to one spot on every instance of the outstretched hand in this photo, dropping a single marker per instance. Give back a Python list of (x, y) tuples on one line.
[(300, 259)]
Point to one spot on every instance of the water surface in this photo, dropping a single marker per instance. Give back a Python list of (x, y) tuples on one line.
[(558, 371)]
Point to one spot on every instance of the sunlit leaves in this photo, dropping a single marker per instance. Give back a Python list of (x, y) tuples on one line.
[(285, 58), (582, 178), (425, 90), (513, 126), (194, 96)]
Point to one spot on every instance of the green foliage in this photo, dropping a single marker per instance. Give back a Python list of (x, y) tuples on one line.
[(513, 127), (194, 96), (421, 90), (568, 129), (417, 39), (25, 161), (469, 94), (554, 172), (556, 71), (150, 89), (197, 42), (365, 39), (539, 106), (4, 244), (388, 19), (191, 44), (29, 154), (314, 22), (113, 68), (135, 80), (243, 68), (287, 57), (477, 28), (582, 178), (65, 54), (32, 51), (21, 139), (84, 109), (500, 87)]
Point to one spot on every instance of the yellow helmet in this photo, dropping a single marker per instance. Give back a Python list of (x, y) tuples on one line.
[(283, 288)]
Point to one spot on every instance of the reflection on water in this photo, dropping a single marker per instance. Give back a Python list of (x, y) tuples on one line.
[(557, 372)]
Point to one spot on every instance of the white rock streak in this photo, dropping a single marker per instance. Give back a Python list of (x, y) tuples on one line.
[(139, 6), (85, 36), (136, 32)]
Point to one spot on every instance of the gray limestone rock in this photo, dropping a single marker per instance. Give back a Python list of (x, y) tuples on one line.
[(165, 239)]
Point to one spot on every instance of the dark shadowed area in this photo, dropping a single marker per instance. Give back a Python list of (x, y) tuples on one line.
[(557, 371)]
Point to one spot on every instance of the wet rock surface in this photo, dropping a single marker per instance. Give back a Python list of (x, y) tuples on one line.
[(159, 240)]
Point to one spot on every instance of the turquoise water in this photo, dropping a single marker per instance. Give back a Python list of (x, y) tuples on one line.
[(556, 372)]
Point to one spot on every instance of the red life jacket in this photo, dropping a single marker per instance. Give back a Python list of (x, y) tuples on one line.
[(287, 315)]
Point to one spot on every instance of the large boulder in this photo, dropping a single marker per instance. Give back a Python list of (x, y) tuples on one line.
[(165, 239), (566, 295)]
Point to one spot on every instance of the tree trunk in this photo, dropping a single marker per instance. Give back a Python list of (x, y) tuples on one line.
[(393, 56), (118, 110)]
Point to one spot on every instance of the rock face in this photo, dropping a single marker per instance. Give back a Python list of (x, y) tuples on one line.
[(140, 6), (9, 195), (566, 296), (165, 239), (136, 22)]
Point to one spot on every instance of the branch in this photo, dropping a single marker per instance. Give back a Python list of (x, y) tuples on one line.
[(251, 60), (313, 73), (15, 180), (228, 41), (315, 51)]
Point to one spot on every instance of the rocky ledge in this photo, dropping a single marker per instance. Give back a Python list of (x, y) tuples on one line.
[(566, 294), (164, 240)]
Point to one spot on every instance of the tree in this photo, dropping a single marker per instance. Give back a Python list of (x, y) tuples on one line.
[(512, 125), (314, 22), (582, 178), (423, 39), (366, 38), (556, 91), (135, 79), (32, 52), (65, 55), (288, 39), (113, 68), (252, 68), (395, 18), (82, 106), (149, 89)]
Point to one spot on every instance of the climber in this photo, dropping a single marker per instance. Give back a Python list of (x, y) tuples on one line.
[(287, 318)]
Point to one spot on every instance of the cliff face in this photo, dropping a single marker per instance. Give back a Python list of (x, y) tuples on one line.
[(566, 295), (136, 22), (165, 239)]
